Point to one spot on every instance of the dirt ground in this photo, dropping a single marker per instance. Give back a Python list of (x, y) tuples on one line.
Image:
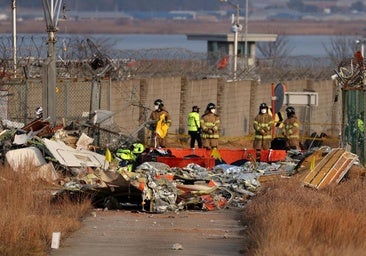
[(136, 233)]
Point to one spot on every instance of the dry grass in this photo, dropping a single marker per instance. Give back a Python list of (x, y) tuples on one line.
[(28, 217), (289, 219), (284, 218)]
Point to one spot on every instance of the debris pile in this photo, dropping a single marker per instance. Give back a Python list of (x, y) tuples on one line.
[(130, 176)]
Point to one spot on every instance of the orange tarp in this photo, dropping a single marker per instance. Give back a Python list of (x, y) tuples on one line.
[(230, 156), (227, 155)]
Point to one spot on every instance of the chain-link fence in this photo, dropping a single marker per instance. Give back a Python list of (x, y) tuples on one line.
[(22, 97)]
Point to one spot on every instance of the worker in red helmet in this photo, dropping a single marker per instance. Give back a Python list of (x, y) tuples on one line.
[(161, 124)]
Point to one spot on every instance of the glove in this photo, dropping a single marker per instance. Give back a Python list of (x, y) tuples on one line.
[(210, 131), (199, 130)]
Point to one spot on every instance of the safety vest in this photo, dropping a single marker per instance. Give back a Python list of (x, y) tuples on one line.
[(360, 126), (126, 154), (193, 121)]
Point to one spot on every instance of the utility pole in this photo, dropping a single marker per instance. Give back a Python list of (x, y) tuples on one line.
[(236, 27), (13, 7), (246, 34), (236, 30), (51, 11)]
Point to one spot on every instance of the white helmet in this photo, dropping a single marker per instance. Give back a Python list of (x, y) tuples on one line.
[(39, 111)]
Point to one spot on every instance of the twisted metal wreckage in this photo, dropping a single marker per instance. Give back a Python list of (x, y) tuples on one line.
[(158, 180)]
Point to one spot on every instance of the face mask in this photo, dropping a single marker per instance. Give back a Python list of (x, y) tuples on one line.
[(156, 107), (213, 111), (263, 111)]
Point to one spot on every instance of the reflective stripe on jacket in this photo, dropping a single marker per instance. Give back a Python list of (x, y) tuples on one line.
[(291, 128), (210, 126), (263, 125)]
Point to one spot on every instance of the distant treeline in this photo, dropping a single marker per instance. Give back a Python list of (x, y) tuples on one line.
[(122, 5)]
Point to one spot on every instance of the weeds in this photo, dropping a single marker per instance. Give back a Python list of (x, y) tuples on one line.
[(28, 217), (286, 218)]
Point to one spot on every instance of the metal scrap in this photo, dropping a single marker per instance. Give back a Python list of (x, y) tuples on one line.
[(70, 160)]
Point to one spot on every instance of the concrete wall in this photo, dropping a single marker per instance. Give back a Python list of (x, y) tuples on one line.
[(237, 103)]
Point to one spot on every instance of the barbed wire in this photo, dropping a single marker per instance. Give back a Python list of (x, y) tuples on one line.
[(75, 58)]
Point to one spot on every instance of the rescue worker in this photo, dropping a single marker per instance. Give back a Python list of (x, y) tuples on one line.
[(291, 129), (210, 124), (262, 124), (360, 128), (194, 127), (130, 157), (161, 124)]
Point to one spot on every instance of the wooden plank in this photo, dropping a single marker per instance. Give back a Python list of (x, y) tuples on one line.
[(326, 167), (331, 168), (353, 158), (337, 172), (313, 173)]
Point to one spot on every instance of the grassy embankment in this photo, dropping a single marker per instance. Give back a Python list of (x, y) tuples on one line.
[(28, 217), (289, 219)]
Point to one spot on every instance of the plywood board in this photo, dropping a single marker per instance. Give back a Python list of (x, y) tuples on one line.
[(330, 169), (318, 167)]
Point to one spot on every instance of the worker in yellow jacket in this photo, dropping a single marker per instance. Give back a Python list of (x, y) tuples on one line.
[(194, 127)]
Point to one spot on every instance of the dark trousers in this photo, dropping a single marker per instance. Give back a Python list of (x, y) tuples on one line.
[(195, 136)]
